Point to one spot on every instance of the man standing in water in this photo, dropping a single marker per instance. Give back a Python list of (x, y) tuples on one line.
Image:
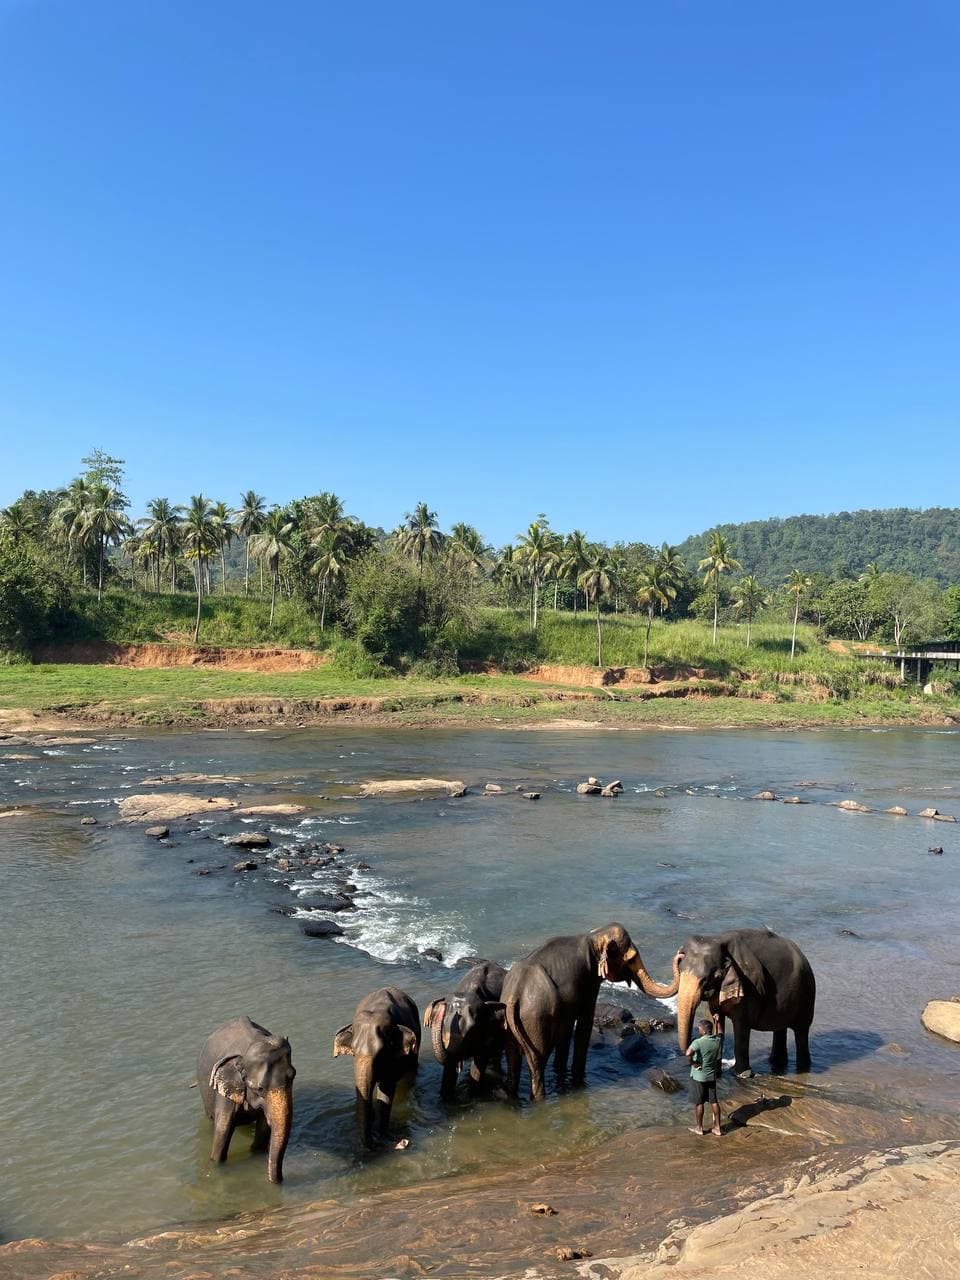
[(705, 1056)]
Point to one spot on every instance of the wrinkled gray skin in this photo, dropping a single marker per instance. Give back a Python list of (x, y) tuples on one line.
[(245, 1076), (384, 1040), (778, 988), (551, 995), (467, 1024)]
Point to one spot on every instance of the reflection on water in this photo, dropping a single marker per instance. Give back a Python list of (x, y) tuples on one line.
[(118, 959)]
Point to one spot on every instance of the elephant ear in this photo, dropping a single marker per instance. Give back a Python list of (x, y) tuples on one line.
[(610, 965), (227, 1079), (747, 963), (343, 1041), (435, 1006), (408, 1041)]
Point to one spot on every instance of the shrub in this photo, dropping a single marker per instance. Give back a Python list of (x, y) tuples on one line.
[(33, 595)]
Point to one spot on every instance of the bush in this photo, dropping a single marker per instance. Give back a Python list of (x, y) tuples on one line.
[(33, 596)]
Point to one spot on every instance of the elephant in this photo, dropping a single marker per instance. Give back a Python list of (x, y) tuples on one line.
[(762, 981), (384, 1040), (550, 997), (467, 1023), (245, 1076)]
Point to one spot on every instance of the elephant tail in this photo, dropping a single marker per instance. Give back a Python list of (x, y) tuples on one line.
[(516, 1028)]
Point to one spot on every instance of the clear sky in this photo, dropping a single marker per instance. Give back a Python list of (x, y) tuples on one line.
[(644, 266)]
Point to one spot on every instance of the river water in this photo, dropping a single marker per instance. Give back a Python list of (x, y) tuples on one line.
[(117, 959)]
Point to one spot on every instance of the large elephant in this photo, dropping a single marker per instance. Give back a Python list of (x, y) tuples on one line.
[(550, 998), (761, 981), (467, 1023), (245, 1076), (384, 1040)]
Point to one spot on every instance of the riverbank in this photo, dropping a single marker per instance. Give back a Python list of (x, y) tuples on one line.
[(213, 696)]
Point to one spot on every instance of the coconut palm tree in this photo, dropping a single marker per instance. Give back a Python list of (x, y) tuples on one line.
[(328, 566), (654, 587), (673, 568), (595, 581), (576, 557), (508, 571), (161, 527), (69, 520), (16, 523), (797, 583), (466, 547), (199, 537), (714, 564), (537, 556), (225, 531), (105, 519), (272, 544), (872, 574), (749, 599), (248, 520), (419, 535)]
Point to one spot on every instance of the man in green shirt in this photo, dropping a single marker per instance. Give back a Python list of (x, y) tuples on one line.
[(705, 1055)]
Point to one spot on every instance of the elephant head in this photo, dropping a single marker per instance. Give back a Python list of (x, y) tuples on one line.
[(714, 969), (261, 1079), (456, 1019), (380, 1047), (618, 960)]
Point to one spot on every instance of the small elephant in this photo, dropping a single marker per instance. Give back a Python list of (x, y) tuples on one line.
[(761, 981), (245, 1076), (384, 1040), (467, 1023), (550, 998)]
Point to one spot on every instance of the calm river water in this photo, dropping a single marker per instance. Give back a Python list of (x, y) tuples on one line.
[(117, 960)]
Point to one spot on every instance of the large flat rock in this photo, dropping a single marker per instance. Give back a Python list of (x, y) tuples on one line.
[(403, 786), (169, 805), (943, 1018)]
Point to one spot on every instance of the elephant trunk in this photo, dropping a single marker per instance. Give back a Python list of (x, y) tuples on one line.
[(278, 1109), (363, 1080), (689, 998), (649, 985), (436, 1028)]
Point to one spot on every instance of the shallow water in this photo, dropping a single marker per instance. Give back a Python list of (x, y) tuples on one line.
[(118, 960)]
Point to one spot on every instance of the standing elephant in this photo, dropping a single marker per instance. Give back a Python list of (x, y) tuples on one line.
[(245, 1076), (384, 1040), (762, 981), (467, 1023), (550, 998)]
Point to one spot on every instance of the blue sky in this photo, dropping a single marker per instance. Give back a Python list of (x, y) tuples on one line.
[(644, 267)]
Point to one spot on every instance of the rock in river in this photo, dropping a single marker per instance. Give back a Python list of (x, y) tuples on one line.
[(943, 1018), (158, 833), (402, 786), (249, 840), (167, 807), (321, 929), (588, 789)]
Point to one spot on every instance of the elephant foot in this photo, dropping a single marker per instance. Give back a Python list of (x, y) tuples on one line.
[(778, 1066), (803, 1066)]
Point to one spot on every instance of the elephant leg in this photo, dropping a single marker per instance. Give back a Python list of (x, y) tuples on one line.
[(477, 1068), (224, 1123), (778, 1051), (561, 1055), (581, 1044), (801, 1039), (448, 1084), (535, 1065), (741, 1047), (382, 1104), (512, 1080), (261, 1133)]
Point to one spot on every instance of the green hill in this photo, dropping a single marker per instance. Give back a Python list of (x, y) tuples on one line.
[(924, 543)]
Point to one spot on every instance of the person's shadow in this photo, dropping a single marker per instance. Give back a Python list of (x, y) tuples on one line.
[(756, 1108)]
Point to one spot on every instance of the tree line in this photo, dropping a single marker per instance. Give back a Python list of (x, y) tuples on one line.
[(410, 589)]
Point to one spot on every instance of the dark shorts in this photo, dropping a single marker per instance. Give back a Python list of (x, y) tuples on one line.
[(702, 1091)]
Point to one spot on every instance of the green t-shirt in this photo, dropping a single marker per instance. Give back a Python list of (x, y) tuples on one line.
[(705, 1062)]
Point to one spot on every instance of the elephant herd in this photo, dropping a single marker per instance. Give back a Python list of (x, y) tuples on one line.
[(543, 1005)]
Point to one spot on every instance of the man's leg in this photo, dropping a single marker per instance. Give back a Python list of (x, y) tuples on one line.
[(698, 1112), (716, 1130)]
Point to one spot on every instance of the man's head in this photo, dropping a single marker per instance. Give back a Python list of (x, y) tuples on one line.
[(704, 1027)]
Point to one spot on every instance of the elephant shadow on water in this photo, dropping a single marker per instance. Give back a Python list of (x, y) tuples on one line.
[(846, 1044)]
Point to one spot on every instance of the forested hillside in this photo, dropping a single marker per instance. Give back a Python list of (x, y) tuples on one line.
[(923, 543)]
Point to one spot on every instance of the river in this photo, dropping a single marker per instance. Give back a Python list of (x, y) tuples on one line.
[(117, 959)]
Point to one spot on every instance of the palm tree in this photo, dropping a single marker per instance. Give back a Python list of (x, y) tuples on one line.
[(871, 574), (595, 580), (716, 562), (225, 534), (537, 556), (16, 523), (673, 567), (104, 518), (200, 539), (654, 587), (328, 566), (161, 527), (576, 557), (618, 571), (69, 519), (249, 519), (508, 570), (272, 544), (750, 598), (467, 547), (419, 536), (797, 583)]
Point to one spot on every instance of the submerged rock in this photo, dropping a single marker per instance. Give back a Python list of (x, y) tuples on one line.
[(321, 929), (795, 800), (634, 1047), (608, 1014), (531, 795), (247, 865), (658, 1079), (88, 822), (431, 953), (765, 795)]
